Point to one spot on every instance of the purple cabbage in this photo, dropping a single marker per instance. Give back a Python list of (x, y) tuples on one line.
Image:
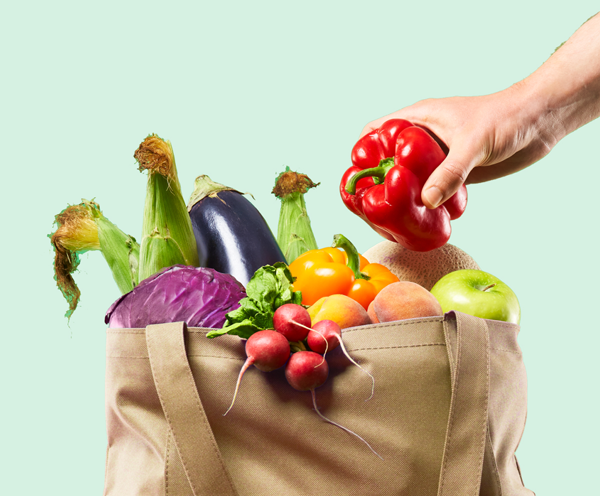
[(197, 296)]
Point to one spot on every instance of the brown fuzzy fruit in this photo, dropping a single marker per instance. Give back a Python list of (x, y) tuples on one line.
[(423, 268), (343, 310), (405, 300), (371, 313)]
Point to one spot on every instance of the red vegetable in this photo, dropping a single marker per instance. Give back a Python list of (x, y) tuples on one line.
[(306, 371), (293, 321), (266, 350), (383, 187)]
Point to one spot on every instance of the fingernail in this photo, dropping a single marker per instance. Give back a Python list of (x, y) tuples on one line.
[(433, 195)]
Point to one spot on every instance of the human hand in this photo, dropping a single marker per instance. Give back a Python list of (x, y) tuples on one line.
[(487, 136)]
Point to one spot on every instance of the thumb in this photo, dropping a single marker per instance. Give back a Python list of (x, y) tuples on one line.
[(450, 175)]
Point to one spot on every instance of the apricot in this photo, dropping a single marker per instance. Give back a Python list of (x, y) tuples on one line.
[(405, 300), (343, 310)]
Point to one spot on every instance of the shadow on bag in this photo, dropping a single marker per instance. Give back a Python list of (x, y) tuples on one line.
[(447, 415)]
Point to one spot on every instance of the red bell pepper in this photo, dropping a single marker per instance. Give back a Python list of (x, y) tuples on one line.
[(383, 187)]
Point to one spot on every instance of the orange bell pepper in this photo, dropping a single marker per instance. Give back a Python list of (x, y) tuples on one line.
[(331, 271)]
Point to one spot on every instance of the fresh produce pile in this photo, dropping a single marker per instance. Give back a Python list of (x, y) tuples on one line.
[(216, 263)]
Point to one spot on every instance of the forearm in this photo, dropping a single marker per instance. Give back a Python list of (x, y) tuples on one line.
[(491, 136), (565, 90)]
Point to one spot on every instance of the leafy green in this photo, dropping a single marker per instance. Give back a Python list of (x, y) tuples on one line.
[(269, 288)]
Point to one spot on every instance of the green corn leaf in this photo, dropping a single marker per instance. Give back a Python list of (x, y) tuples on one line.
[(84, 228), (167, 235)]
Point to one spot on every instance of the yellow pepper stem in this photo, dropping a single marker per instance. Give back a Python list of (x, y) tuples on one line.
[(341, 241)]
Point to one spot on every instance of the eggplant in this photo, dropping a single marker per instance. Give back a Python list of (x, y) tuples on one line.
[(232, 236)]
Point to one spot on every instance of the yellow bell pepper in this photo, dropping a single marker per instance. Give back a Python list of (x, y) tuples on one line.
[(329, 271)]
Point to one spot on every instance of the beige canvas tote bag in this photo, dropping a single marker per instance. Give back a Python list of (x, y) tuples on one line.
[(447, 415)]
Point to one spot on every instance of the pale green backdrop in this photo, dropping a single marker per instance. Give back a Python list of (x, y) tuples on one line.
[(241, 90)]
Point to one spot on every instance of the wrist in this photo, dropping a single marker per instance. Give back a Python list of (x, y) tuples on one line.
[(534, 111)]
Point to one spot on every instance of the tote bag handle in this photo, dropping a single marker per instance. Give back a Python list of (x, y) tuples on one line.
[(469, 356), (467, 342), (200, 456)]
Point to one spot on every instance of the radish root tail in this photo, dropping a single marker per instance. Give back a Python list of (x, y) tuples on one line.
[(355, 363), (345, 353), (314, 398), (247, 364)]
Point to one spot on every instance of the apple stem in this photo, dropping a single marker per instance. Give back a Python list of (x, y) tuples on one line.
[(489, 287)]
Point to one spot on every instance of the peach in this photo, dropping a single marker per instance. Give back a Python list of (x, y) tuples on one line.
[(371, 314), (343, 310), (405, 300)]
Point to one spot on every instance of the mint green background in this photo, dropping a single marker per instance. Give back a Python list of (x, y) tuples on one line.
[(242, 90)]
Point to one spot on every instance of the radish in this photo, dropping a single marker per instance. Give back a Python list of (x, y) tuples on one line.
[(327, 335), (306, 371), (267, 351), (324, 335), (293, 321)]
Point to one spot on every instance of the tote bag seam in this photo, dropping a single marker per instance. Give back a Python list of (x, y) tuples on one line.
[(390, 324), (454, 386), (349, 349), (396, 347), (167, 458), (137, 357), (487, 397), (242, 359), (508, 351), (497, 323)]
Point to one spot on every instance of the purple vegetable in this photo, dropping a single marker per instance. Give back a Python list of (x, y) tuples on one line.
[(196, 295)]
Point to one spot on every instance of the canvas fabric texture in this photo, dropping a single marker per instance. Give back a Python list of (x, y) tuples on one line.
[(447, 415)]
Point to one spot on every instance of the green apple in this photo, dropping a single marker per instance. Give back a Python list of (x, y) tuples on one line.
[(477, 293)]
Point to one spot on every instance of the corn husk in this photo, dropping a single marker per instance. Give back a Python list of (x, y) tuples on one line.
[(84, 228), (294, 233), (167, 236)]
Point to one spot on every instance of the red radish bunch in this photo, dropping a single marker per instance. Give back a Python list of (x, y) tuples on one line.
[(324, 336), (306, 370), (267, 351)]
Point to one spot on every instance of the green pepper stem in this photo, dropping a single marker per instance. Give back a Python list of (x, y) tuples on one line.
[(378, 173), (296, 346), (341, 241), (374, 172)]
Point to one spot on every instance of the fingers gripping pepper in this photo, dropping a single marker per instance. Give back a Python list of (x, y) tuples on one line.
[(383, 187), (331, 271)]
